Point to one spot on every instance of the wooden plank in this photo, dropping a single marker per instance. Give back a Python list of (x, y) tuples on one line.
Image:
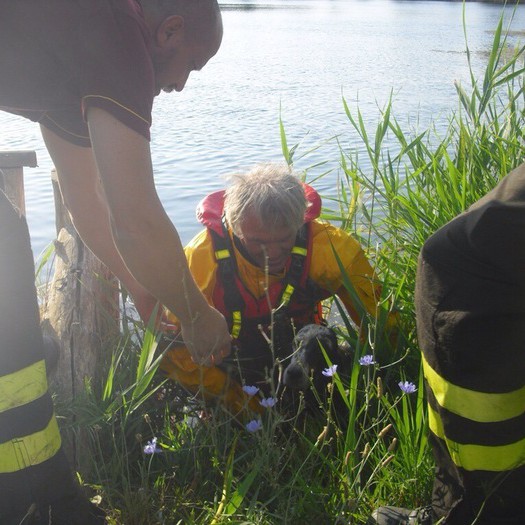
[(12, 164), (18, 159)]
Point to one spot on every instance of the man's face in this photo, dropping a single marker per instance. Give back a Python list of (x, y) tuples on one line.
[(173, 70), (263, 245)]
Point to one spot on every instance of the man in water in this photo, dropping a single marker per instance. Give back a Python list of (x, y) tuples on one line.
[(264, 248), (87, 71)]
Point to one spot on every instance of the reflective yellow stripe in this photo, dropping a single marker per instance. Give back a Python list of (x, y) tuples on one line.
[(236, 321), (34, 449), (477, 406), (23, 386), (288, 291), (299, 251), (479, 457), (222, 254)]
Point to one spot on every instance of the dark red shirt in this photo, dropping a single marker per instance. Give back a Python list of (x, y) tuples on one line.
[(60, 57)]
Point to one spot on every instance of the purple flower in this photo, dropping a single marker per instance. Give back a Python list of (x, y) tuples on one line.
[(330, 371), (407, 387), (254, 425), (367, 360), (151, 447), (268, 402), (250, 390)]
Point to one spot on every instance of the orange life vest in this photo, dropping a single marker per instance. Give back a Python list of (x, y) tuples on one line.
[(288, 305)]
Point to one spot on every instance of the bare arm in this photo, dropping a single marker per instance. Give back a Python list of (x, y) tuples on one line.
[(84, 198), (145, 242)]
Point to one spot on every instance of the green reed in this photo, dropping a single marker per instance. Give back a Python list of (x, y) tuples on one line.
[(212, 470)]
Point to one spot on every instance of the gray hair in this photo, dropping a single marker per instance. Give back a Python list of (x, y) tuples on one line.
[(270, 193)]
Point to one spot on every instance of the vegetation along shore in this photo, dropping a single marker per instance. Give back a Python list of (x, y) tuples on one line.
[(150, 455)]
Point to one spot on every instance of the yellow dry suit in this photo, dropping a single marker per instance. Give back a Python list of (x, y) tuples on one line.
[(289, 300)]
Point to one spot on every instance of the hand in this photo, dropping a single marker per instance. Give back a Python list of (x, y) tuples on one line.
[(207, 337)]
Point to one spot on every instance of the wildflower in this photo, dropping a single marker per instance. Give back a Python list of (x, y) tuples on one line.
[(330, 371), (254, 425), (367, 360), (151, 447), (407, 387), (268, 402), (250, 390)]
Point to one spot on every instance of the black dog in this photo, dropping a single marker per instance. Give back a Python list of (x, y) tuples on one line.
[(305, 371)]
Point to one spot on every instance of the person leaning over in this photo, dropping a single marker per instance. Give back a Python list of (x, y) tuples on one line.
[(470, 309), (264, 248), (88, 71)]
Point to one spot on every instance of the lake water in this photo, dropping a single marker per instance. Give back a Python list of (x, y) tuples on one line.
[(297, 58)]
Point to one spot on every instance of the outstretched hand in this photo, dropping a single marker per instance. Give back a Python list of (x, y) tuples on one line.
[(207, 337)]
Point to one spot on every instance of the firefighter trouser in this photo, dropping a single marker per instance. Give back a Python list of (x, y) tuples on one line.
[(33, 467), (479, 447), (470, 312)]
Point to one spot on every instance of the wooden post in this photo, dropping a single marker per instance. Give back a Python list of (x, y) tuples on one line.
[(81, 311), (12, 165)]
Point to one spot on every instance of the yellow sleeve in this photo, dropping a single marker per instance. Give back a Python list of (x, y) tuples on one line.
[(325, 268), (201, 262), (211, 382)]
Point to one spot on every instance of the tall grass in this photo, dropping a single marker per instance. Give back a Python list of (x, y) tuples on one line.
[(211, 469)]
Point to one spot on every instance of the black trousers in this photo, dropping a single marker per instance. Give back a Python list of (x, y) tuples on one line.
[(470, 311), (33, 467)]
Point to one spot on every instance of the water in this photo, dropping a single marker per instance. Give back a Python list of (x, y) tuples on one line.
[(297, 59)]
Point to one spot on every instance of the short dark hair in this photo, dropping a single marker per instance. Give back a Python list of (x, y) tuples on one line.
[(197, 13)]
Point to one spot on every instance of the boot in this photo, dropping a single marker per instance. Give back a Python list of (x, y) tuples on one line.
[(401, 516)]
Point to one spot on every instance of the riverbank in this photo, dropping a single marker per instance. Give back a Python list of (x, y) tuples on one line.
[(155, 460)]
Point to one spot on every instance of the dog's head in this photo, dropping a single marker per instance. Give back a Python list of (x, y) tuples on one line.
[(308, 356)]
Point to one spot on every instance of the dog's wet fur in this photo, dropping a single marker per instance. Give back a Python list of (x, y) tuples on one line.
[(308, 356), (304, 372)]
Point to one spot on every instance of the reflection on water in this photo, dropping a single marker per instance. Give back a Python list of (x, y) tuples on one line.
[(253, 7), (296, 59)]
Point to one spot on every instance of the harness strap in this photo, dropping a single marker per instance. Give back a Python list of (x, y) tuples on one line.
[(293, 276), (227, 271)]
